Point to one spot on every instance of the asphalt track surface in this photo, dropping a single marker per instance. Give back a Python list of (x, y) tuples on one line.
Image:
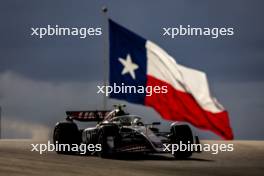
[(17, 159)]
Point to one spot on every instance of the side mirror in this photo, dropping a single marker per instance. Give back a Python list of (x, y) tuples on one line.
[(156, 123)]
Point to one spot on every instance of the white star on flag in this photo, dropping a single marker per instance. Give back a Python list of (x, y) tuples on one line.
[(129, 66)]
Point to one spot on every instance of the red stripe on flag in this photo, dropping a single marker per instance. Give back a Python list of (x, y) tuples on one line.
[(181, 106)]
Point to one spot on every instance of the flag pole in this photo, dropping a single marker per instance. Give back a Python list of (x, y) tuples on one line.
[(0, 122), (104, 11)]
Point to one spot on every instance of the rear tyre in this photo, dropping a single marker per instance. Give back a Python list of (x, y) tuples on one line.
[(181, 135), (66, 133)]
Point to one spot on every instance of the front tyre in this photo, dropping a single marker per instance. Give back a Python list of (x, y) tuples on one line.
[(181, 135)]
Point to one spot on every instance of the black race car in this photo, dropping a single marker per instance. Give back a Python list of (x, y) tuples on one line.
[(119, 132)]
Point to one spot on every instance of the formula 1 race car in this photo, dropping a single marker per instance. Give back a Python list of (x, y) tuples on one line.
[(118, 132)]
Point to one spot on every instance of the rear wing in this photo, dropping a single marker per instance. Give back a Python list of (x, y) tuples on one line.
[(87, 116)]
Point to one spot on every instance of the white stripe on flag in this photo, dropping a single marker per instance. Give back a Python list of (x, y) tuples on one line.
[(163, 67)]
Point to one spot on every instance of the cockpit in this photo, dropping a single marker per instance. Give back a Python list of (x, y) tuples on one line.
[(127, 120)]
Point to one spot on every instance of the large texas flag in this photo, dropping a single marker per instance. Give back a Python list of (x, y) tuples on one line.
[(135, 61)]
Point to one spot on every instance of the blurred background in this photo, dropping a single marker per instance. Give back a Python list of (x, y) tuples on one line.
[(41, 78)]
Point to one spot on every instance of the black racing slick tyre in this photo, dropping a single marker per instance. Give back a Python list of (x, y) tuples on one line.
[(108, 137), (66, 134), (182, 135)]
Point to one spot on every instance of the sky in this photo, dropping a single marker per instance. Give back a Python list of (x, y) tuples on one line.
[(41, 78)]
